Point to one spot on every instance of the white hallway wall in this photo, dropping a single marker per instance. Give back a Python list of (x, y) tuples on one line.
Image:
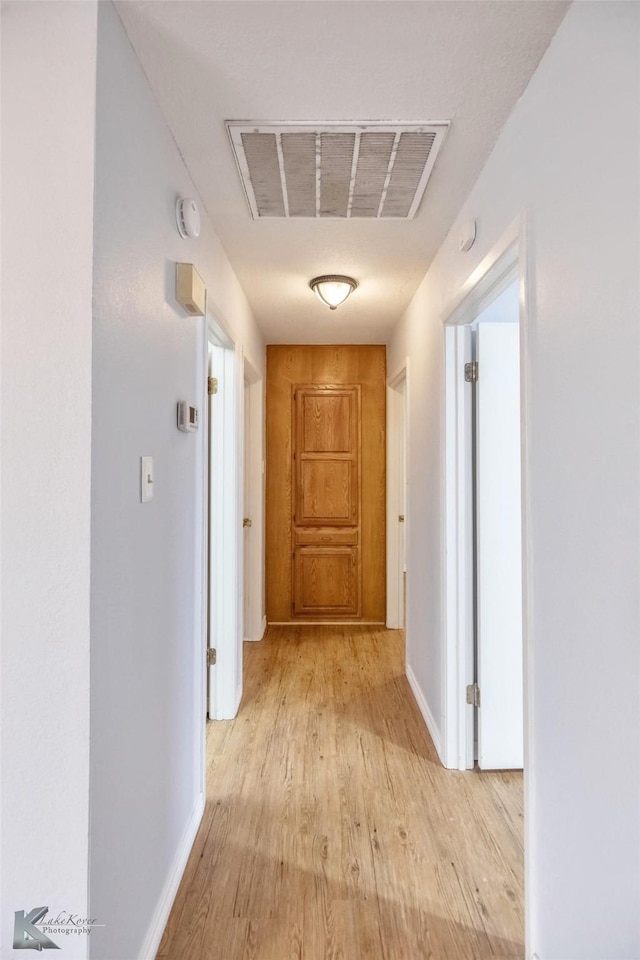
[(48, 129), (569, 157), (146, 574), (124, 731)]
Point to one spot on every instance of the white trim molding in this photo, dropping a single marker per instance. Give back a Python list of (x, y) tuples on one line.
[(169, 890), (427, 716), (458, 538)]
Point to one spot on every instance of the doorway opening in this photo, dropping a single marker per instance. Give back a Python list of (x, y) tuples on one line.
[(223, 529), (485, 639)]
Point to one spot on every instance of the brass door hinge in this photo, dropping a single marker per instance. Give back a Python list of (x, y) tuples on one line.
[(212, 385), (211, 656), (473, 695), (471, 372)]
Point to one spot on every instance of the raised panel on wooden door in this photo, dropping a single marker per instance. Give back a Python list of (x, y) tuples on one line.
[(327, 420), (326, 581), (326, 456), (325, 494)]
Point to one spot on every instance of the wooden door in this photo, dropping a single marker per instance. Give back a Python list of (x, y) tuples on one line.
[(325, 483), (326, 501)]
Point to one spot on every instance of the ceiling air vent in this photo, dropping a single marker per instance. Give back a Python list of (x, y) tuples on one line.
[(335, 170)]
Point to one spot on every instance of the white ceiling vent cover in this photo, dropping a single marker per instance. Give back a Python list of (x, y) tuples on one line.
[(335, 170)]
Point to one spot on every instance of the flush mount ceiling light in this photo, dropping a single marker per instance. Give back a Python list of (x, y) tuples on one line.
[(333, 289)]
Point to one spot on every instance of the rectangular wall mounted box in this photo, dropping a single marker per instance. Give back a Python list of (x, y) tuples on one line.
[(190, 289)]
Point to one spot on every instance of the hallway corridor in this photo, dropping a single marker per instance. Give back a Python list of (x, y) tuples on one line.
[(331, 831)]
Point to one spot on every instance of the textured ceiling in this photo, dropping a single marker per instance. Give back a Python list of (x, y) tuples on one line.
[(467, 61)]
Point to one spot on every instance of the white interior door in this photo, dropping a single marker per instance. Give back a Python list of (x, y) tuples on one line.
[(225, 530), (402, 515), (211, 600), (247, 521), (396, 501), (499, 547)]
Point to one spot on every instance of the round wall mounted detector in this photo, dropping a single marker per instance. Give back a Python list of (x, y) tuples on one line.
[(467, 236), (188, 218)]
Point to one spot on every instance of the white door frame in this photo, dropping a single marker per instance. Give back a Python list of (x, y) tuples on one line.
[(397, 444), (506, 262), (253, 432), (222, 593)]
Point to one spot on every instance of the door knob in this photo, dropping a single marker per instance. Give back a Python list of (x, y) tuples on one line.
[(246, 522)]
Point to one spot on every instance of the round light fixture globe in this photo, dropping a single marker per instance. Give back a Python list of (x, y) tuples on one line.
[(333, 289)]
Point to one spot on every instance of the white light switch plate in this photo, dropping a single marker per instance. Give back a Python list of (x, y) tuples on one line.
[(146, 479)]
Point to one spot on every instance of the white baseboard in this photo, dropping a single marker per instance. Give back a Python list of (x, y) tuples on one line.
[(327, 623), (170, 889), (427, 716)]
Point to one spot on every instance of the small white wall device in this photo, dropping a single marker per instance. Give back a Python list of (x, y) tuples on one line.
[(188, 417), (467, 236), (146, 479), (188, 218), (191, 292)]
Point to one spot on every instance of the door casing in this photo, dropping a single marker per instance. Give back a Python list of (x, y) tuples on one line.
[(511, 257)]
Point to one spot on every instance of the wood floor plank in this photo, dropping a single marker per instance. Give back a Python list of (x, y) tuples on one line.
[(331, 830)]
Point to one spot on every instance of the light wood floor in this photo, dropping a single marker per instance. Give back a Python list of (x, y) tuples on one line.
[(332, 832)]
